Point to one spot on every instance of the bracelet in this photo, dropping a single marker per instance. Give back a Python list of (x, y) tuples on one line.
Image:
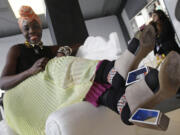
[(66, 50)]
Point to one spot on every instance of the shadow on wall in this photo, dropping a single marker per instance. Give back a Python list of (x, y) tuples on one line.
[(177, 11)]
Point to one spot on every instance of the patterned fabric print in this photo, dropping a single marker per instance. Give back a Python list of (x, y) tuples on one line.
[(27, 13), (121, 103), (111, 75)]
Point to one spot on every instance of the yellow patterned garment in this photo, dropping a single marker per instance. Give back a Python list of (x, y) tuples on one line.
[(66, 80)]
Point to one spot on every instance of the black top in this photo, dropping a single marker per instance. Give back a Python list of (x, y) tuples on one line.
[(165, 41), (28, 56)]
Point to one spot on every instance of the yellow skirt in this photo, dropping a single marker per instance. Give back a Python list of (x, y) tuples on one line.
[(66, 80)]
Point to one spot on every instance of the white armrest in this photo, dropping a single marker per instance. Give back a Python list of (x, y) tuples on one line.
[(85, 119), (2, 113), (5, 129)]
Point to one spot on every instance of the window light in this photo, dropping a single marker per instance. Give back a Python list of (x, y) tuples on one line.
[(37, 5)]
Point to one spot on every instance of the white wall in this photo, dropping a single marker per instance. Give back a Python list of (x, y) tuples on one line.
[(7, 42), (104, 26), (127, 23)]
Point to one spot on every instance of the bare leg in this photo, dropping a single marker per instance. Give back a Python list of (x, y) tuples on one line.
[(127, 61)]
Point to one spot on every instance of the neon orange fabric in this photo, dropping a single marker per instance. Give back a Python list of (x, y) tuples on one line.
[(27, 13)]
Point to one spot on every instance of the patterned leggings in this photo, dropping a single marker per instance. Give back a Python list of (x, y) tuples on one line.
[(115, 94), (113, 97)]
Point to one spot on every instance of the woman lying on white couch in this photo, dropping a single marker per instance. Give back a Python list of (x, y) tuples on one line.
[(67, 80)]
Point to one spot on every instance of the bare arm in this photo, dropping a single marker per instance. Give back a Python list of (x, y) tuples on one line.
[(75, 49), (9, 78)]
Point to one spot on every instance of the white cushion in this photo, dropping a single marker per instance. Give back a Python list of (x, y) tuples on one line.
[(97, 48), (85, 119), (5, 129)]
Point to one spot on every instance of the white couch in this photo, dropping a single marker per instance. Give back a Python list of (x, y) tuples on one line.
[(83, 118)]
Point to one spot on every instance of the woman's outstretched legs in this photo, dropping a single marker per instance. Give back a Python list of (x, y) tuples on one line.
[(115, 73), (146, 93), (115, 97)]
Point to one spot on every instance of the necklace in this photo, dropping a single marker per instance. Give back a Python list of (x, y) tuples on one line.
[(36, 47), (29, 45)]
